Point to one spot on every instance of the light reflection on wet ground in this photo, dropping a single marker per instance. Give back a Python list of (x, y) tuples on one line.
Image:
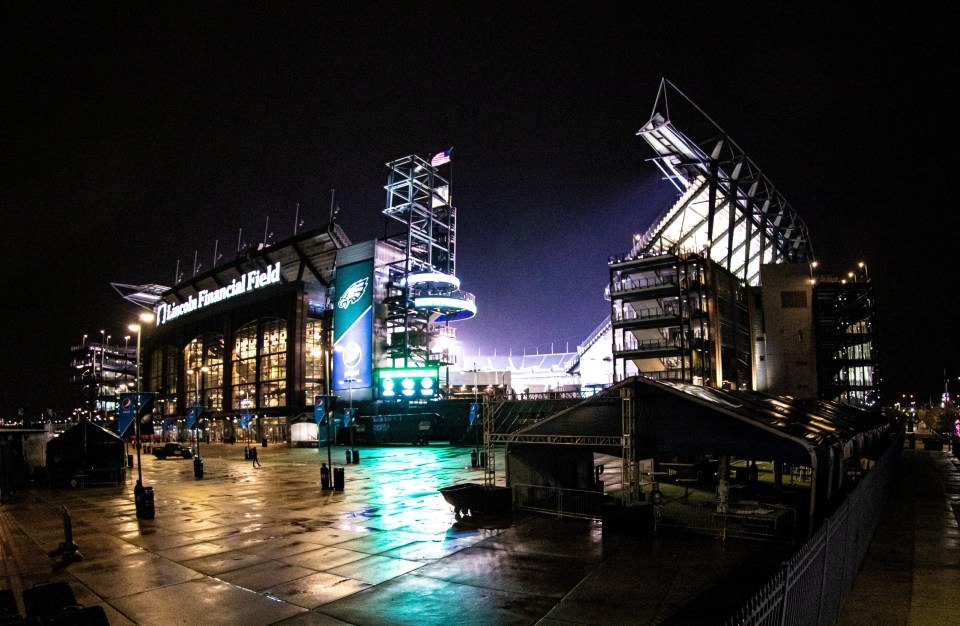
[(265, 545)]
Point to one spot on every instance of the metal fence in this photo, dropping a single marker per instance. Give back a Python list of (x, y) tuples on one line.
[(559, 502), (766, 522), (811, 586)]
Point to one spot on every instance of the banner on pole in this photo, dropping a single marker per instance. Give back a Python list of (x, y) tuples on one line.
[(193, 416), (319, 408), (129, 403)]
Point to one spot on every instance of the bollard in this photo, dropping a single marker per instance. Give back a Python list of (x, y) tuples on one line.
[(68, 550), (324, 476), (338, 479)]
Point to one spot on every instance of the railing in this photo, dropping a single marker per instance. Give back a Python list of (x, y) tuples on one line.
[(647, 345), (764, 522), (649, 313), (559, 502), (626, 284), (810, 587)]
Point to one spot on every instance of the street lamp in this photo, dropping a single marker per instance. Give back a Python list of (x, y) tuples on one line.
[(100, 393), (353, 422), (325, 353), (142, 498), (197, 461), (126, 349)]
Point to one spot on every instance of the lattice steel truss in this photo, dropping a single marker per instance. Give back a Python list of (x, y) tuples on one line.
[(727, 209), (418, 198)]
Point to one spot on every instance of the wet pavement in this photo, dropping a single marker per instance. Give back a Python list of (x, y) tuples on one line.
[(266, 545), (911, 572)]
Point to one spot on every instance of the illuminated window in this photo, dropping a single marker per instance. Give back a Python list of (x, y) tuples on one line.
[(260, 364), (313, 360), (245, 366), (205, 351)]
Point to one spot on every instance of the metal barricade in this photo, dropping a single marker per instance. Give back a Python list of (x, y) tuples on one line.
[(559, 502)]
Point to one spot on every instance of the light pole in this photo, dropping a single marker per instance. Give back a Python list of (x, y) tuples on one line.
[(197, 407), (126, 349), (328, 414), (100, 394), (144, 505), (327, 364), (476, 452), (350, 380)]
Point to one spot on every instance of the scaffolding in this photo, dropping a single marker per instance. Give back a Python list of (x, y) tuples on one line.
[(423, 292)]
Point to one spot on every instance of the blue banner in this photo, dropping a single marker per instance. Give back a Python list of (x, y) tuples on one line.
[(353, 327), (474, 407), (319, 408), (245, 420), (128, 408), (193, 415)]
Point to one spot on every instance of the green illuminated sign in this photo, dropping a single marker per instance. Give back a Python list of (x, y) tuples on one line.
[(408, 383)]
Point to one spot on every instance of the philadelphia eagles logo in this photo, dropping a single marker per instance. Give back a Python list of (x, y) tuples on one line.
[(353, 293)]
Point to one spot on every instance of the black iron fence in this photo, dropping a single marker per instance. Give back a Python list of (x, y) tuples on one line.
[(811, 586)]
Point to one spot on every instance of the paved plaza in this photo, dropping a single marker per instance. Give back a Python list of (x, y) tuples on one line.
[(266, 545)]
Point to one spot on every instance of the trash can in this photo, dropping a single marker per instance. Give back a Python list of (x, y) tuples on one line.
[(263, 442), (144, 503), (129, 460), (356, 456), (473, 458), (349, 456), (483, 459), (197, 467), (246, 453), (338, 479)]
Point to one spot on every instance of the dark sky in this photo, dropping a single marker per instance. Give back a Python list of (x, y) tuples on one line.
[(132, 138)]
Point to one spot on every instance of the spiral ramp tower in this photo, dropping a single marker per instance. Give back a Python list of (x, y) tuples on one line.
[(423, 291)]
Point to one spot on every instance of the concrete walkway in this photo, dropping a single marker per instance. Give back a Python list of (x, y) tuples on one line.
[(911, 574), (257, 546)]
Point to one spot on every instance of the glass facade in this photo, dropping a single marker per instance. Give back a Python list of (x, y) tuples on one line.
[(204, 351), (273, 364), (163, 379), (245, 366), (260, 364), (313, 361)]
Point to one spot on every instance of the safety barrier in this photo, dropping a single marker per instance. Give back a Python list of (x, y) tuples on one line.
[(810, 588), (766, 522), (559, 502)]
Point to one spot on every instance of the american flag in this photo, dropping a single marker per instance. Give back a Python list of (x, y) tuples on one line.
[(440, 158)]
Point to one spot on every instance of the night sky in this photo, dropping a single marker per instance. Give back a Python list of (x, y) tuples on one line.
[(132, 138)]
